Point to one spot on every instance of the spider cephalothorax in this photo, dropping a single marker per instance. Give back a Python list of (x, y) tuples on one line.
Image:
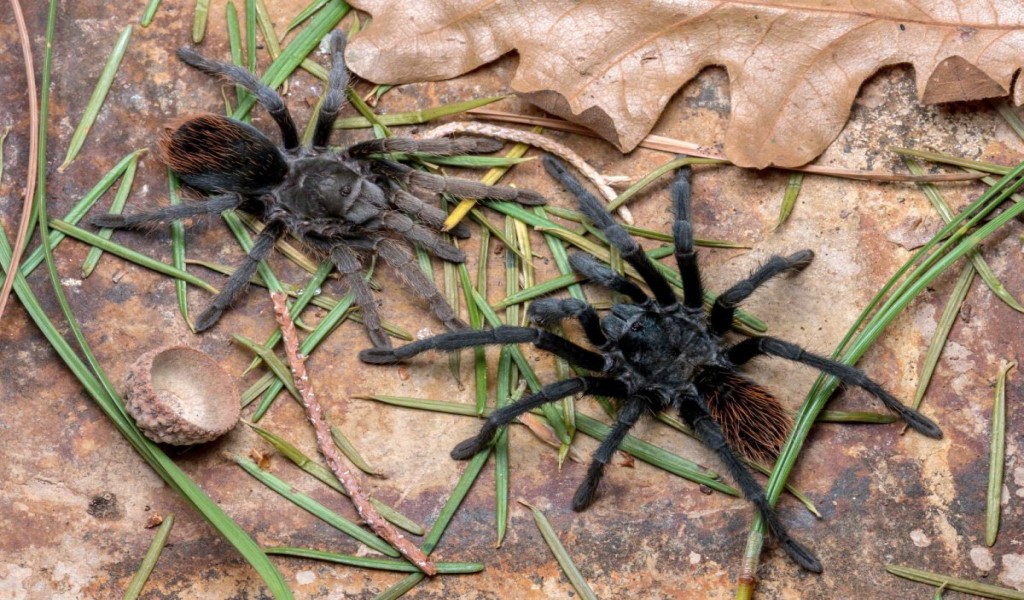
[(341, 204), (662, 353)]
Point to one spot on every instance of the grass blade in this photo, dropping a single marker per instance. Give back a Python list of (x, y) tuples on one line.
[(942, 329), (202, 12), (305, 14), (381, 564), (315, 508), (147, 17), (954, 584), (327, 478), (130, 255), (997, 456), (99, 94), (789, 198), (987, 275), (149, 561), (116, 207), (417, 117), (351, 453), (178, 251), (561, 554)]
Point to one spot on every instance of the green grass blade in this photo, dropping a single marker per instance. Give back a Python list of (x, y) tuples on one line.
[(275, 364), (572, 573), (997, 456), (381, 564), (417, 117), (199, 19), (954, 584), (130, 255), (80, 209), (99, 94), (326, 477), (250, 36), (942, 329), (501, 458), (789, 198), (116, 208), (305, 14), (149, 560), (938, 157), (315, 508), (351, 453), (985, 271), (651, 177), (842, 416), (178, 250), (1010, 116), (147, 17)]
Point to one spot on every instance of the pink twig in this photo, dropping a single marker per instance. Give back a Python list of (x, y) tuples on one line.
[(315, 415)]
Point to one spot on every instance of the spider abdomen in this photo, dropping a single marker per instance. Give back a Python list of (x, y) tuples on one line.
[(214, 153)]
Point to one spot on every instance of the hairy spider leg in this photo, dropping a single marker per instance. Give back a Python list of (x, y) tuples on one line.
[(692, 411), (506, 334), (435, 146), (725, 305), (460, 188), (546, 311), (405, 266), (426, 212), (212, 205), (334, 97), (631, 251), (261, 248), (629, 414), (596, 271), (750, 348), (434, 243), (549, 393), (682, 233), (350, 269), (263, 93)]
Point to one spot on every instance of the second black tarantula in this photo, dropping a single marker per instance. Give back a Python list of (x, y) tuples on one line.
[(340, 204), (658, 353)]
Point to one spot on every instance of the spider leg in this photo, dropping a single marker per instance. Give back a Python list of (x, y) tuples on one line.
[(756, 346), (348, 266), (428, 213), (725, 305), (549, 393), (616, 234), (261, 248), (550, 310), (456, 340), (594, 270), (337, 81), (682, 233), (460, 188), (692, 411), (435, 146), (629, 414), (263, 93), (209, 206), (395, 255), (401, 224)]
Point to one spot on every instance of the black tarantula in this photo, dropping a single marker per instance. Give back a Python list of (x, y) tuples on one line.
[(659, 353), (339, 203)]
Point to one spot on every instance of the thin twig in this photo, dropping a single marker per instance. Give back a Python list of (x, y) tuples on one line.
[(544, 143), (315, 415), (33, 154), (667, 144)]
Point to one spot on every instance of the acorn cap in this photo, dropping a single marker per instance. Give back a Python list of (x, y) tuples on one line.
[(178, 395)]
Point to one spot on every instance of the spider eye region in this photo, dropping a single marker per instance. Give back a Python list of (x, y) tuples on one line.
[(214, 153)]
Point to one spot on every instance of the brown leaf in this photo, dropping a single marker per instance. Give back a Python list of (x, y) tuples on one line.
[(794, 67)]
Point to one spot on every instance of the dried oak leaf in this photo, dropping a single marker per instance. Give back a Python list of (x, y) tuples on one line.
[(794, 66)]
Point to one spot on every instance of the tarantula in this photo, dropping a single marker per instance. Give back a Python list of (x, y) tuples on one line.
[(659, 353), (339, 203)]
